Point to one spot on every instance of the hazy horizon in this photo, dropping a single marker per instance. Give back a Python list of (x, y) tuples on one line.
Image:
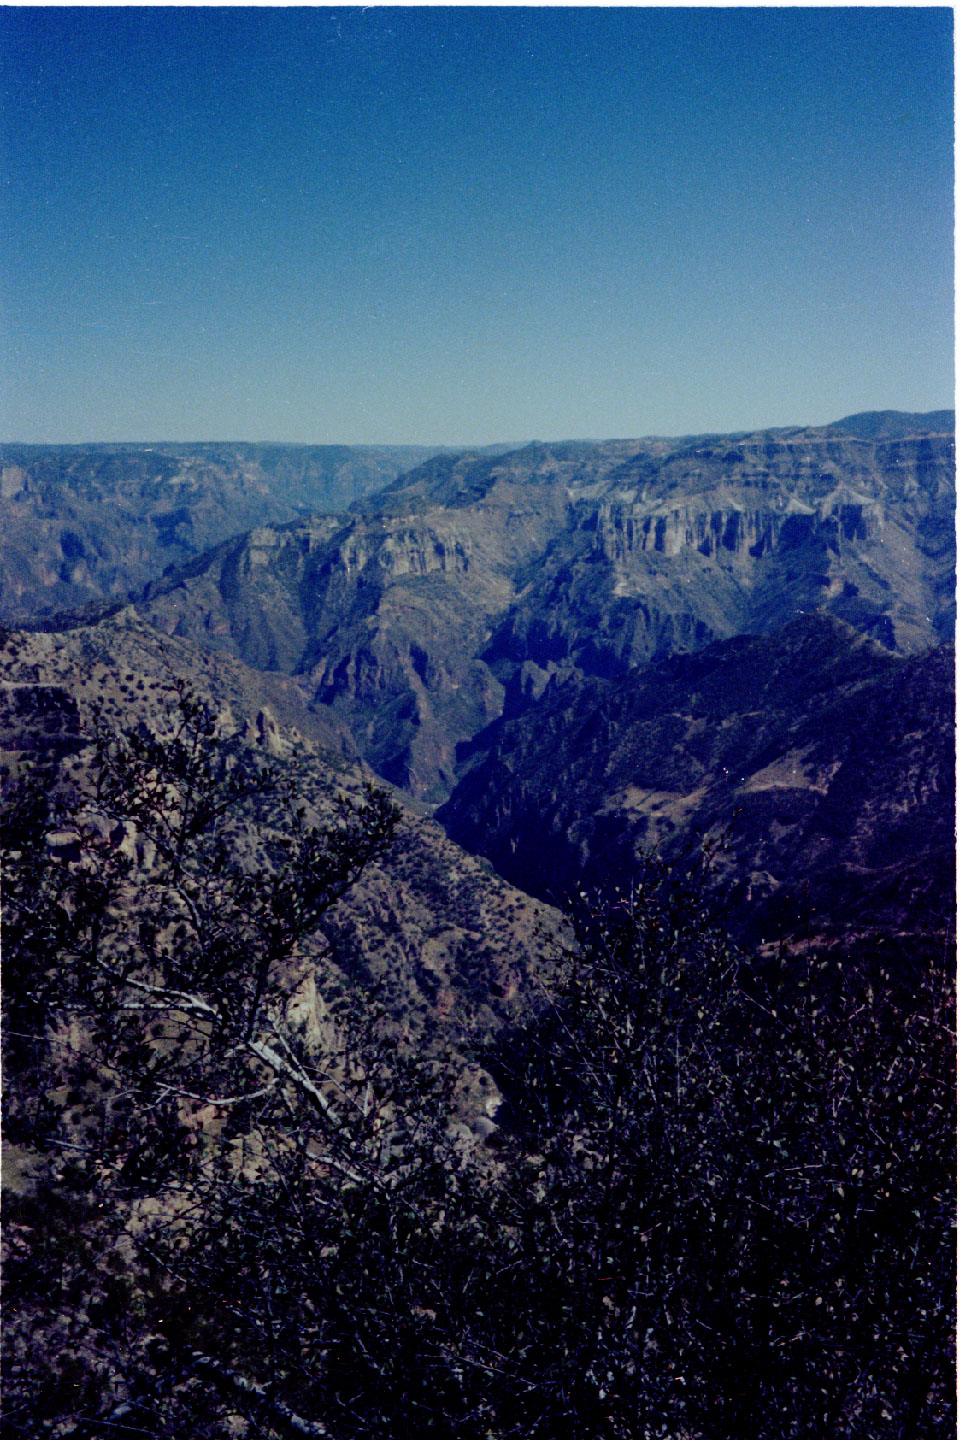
[(454, 226), (337, 443)]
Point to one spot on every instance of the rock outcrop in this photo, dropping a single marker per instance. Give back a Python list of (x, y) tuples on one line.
[(448, 946), (84, 524), (455, 594)]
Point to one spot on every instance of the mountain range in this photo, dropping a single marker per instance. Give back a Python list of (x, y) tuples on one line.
[(575, 649), (820, 764), (86, 523), (452, 596)]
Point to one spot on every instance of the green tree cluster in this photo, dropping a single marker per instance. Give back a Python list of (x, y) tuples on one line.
[(718, 1204)]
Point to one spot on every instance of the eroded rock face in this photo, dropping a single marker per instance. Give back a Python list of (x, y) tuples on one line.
[(463, 587), (82, 524), (734, 533)]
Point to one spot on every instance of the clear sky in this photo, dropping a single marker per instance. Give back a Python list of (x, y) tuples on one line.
[(459, 225)]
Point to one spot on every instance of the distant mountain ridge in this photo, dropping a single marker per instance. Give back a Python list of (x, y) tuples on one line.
[(895, 424), (87, 523), (90, 523), (454, 594)]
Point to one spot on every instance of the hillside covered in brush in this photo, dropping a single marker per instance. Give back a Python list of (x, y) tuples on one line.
[(262, 1182), (822, 764)]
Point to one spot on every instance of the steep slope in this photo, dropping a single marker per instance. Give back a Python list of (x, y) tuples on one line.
[(382, 617), (825, 760), (456, 593), (86, 523), (447, 943)]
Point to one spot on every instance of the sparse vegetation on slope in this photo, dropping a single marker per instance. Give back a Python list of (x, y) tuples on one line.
[(719, 1205), (446, 939), (826, 761)]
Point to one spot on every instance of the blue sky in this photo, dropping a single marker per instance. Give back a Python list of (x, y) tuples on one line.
[(459, 225)]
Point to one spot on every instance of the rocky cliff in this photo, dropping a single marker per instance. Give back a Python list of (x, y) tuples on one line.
[(80, 524), (455, 594)]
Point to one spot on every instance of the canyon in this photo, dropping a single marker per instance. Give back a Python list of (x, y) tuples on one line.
[(520, 636), (454, 595)]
